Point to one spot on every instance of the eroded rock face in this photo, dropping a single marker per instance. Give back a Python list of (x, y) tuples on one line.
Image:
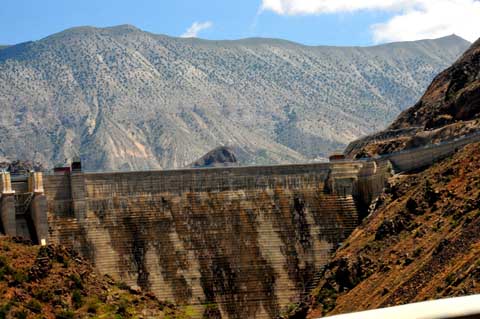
[(55, 282), (454, 95)]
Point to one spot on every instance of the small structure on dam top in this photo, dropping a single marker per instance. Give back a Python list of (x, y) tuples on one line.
[(241, 242)]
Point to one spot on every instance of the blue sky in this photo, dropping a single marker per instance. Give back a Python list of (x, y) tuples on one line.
[(313, 22)]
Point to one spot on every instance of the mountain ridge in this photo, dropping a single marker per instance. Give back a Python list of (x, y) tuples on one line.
[(133, 28), (122, 98)]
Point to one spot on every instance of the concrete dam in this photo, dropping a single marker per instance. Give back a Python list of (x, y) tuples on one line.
[(239, 242)]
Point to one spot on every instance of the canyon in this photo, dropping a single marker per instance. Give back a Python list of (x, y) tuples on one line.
[(230, 242)]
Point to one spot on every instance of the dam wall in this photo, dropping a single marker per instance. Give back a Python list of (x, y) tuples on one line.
[(241, 242)]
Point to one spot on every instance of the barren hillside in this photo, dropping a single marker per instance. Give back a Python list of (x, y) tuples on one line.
[(54, 282), (421, 239), (122, 98)]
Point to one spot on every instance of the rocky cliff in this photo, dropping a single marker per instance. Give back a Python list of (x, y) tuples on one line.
[(122, 98), (448, 109)]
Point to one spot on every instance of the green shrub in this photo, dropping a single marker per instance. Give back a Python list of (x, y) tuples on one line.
[(122, 285), (43, 295), (20, 314), (123, 308), (417, 252), (4, 310), (65, 314), (454, 223), (77, 299), (450, 279), (19, 277), (92, 307), (3, 261), (77, 281), (4, 268), (34, 306)]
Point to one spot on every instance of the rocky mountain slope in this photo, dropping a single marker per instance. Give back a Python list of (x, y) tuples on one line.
[(422, 241), (53, 282), (449, 108), (122, 98)]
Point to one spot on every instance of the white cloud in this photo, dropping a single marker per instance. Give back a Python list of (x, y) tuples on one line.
[(196, 28), (412, 19), (298, 7), (435, 19)]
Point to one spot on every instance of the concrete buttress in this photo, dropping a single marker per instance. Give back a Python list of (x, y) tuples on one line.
[(7, 205)]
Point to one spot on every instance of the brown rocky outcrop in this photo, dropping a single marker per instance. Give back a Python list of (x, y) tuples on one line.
[(453, 96), (55, 282)]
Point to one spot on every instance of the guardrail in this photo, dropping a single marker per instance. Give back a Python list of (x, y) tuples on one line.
[(451, 308)]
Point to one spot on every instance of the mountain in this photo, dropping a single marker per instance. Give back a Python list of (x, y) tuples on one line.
[(218, 157), (122, 98), (449, 108), (453, 96)]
